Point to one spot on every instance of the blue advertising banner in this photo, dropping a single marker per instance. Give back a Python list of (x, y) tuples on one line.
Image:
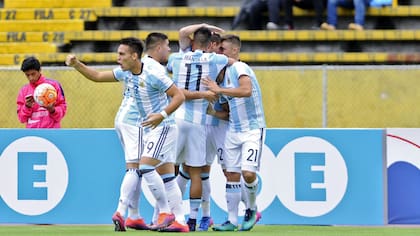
[(403, 160), (319, 176), (307, 176), (59, 176)]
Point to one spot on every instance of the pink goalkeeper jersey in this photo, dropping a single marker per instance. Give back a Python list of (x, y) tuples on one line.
[(37, 116)]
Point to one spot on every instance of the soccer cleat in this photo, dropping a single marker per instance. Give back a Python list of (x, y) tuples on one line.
[(137, 224), (227, 226), (250, 219), (259, 216), (118, 222), (205, 223), (176, 227), (164, 220), (191, 224)]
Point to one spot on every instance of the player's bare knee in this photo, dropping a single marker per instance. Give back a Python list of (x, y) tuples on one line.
[(249, 176)]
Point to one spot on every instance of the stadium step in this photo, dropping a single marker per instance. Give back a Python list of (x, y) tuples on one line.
[(7, 48), (47, 36), (246, 36), (231, 11), (41, 25), (86, 14), (249, 57), (56, 3)]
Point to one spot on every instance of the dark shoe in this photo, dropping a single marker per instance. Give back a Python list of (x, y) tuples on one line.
[(192, 224), (250, 219)]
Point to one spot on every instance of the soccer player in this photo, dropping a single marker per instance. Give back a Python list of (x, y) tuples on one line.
[(215, 134), (188, 68), (31, 113), (215, 129), (129, 123), (245, 136), (158, 158)]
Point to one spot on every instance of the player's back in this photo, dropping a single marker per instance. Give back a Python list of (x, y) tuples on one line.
[(188, 69)]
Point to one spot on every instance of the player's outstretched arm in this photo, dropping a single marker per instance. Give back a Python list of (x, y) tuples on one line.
[(90, 73)]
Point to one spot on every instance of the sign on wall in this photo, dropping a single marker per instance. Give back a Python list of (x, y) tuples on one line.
[(307, 176), (403, 160)]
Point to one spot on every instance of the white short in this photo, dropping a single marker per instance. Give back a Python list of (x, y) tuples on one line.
[(215, 142), (160, 143), (131, 140), (191, 147), (243, 150)]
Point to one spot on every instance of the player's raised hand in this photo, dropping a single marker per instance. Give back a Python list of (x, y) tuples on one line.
[(214, 28), (71, 60)]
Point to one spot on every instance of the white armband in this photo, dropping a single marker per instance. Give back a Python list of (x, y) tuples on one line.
[(164, 114)]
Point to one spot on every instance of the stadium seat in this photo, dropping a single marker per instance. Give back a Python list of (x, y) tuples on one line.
[(256, 58), (48, 36), (41, 25), (259, 35), (86, 14), (213, 11), (49, 22), (56, 3), (7, 48)]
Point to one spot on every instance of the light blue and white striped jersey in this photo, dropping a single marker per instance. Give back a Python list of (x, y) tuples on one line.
[(246, 113), (145, 93), (187, 71)]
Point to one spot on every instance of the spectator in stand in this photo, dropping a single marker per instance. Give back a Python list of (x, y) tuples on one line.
[(179, 3), (256, 10), (359, 7), (317, 5)]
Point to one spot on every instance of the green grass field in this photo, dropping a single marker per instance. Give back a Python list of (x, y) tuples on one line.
[(259, 230)]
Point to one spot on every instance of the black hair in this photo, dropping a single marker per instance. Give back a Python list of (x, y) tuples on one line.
[(154, 39), (135, 44), (202, 36), (30, 63)]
